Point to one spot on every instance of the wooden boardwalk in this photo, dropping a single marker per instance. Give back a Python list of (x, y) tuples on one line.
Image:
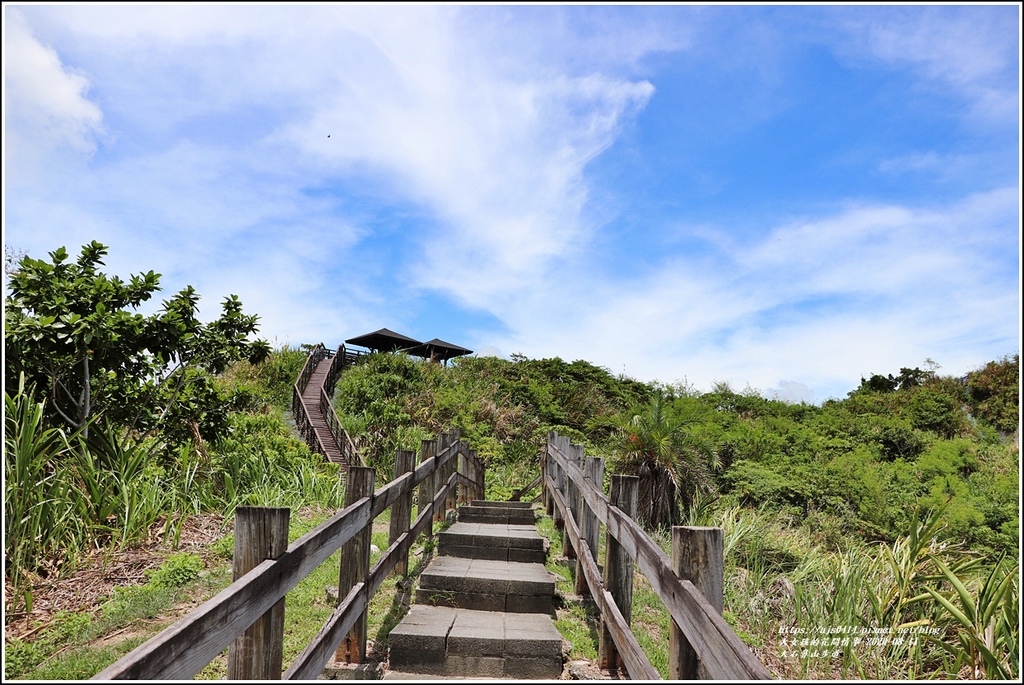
[(311, 400), (315, 418)]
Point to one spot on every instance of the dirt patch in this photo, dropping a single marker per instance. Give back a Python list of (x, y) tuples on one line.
[(92, 581)]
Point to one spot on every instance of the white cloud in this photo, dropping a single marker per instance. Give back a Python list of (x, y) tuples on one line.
[(499, 162), (475, 127), (820, 303), (46, 107), (968, 48), (414, 99)]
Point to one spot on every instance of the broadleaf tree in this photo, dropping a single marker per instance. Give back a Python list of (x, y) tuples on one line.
[(76, 333)]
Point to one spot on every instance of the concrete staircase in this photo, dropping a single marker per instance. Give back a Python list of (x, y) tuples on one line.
[(484, 604)]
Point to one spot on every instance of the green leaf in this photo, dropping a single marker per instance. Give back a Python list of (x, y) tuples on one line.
[(953, 611)]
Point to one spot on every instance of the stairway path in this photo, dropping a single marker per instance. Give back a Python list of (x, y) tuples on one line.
[(311, 399), (484, 605)]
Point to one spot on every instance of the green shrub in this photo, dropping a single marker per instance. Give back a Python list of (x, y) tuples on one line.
[(177, 571), (995, 393), (938, 412)]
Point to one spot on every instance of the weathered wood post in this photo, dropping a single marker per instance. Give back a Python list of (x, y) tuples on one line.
[(428, 448), (260, 533), (574, 453), (443, 441), (559, 478), (401, 511), (545, 471), (698, 556), (590, 526), (462, 466), (467, 467), (618, 567), (451, 502), (355, 563), (481, 476)]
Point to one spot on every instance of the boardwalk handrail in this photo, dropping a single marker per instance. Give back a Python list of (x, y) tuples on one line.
[(340, 358), (183, 649), (302, 414), (719, 649)]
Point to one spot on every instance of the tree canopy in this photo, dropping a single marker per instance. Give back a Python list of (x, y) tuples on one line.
[(77, 335)]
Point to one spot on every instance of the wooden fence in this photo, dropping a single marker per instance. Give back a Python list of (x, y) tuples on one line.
[(248, 616), (340, 358), (702, 645)]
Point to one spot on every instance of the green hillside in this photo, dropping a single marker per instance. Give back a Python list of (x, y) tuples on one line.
[(857, 467)]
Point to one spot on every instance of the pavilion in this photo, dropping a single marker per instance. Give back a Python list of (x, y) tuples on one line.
[(384, 340), (437, 350)]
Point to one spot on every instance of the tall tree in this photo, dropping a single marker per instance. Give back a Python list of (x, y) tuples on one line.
[(76, 333), (661, 444)]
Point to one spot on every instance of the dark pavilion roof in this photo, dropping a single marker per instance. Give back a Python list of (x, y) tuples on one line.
[(384, 340), (437, 349)]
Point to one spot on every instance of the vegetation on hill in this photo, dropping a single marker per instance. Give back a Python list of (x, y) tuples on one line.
[(115, 422), (895, 507), (857, 467), (890, 517)]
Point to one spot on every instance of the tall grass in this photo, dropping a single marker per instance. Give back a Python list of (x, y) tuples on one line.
[(66, 494), (916, 608), (39, 518)]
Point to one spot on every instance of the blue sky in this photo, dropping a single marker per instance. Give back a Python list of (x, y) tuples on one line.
[(781, 198)]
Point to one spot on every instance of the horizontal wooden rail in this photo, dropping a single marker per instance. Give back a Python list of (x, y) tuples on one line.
[(183, 649), (518, 494), (638, 666), (719, 649), (311, 662), (301, 412), (180, 651)]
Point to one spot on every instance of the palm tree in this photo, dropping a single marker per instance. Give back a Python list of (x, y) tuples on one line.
[(659, 442)]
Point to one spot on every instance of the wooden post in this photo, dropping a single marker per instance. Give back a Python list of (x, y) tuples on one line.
[(451, 502), (428, 448), (559, 478), (443, 441), (470, 468), (618, 567), (401, 511), (481, 492), (590, 526), (697, 556), (545, 471), (260, 533), (575, 455), (460, 467), (355, 563)]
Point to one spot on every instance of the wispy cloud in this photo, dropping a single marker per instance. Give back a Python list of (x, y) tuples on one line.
[(46, 104), (967, 49), (870, 288)]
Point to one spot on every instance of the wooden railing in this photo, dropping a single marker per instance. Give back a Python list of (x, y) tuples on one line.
[(303, 421), (342, 439), (702, 644), (248, 615)]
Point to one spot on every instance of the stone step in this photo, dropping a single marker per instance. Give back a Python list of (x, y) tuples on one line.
[(500, 541), (497, 504), (447, 641), (483, 511), (486, 585)]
